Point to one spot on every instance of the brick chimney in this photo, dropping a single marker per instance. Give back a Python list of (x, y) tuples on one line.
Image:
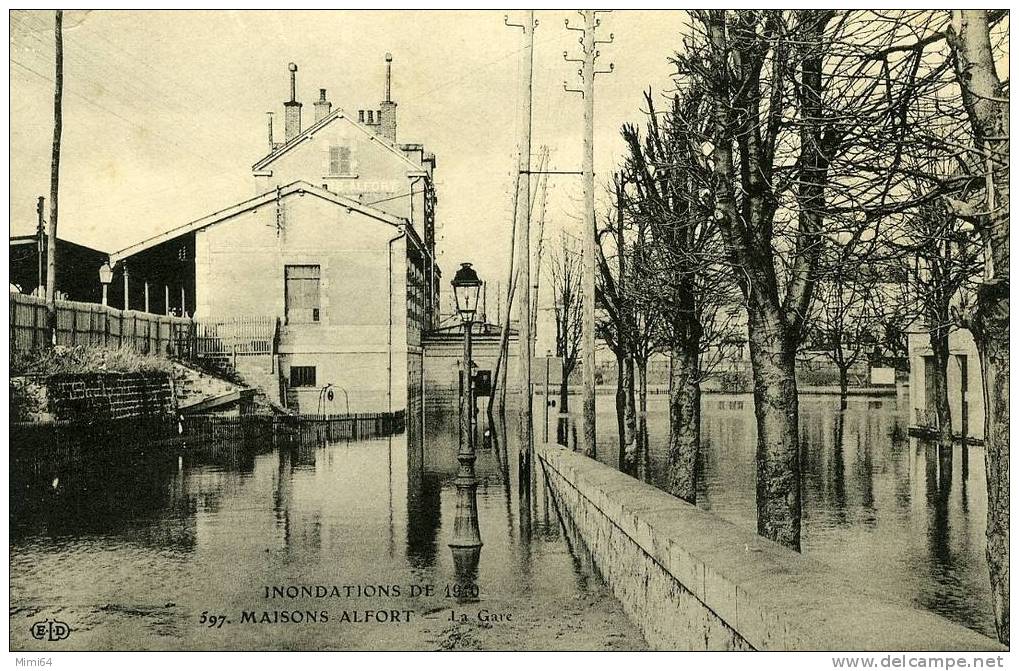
[(292, 109), (387, 115), (322, 106)]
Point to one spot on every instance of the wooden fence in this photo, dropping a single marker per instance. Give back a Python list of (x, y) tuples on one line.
[(93, 324)]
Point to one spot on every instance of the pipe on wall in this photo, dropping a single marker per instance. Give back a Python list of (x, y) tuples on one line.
[(389, 365)]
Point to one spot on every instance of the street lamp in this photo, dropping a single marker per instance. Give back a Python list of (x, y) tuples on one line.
[(466, 534), (105, 277)]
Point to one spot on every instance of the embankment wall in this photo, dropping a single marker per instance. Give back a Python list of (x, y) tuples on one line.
[(692, 581)]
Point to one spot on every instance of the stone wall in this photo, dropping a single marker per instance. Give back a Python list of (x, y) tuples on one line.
[(692, 581), (92, 397)]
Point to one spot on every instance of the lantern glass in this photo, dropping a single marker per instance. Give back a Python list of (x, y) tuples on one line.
[(466, 289), (105, 274)]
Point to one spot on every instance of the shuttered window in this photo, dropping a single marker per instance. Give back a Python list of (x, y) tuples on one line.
[(303, 294), (340, 160)]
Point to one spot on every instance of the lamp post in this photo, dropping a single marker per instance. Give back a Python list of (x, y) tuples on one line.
[(105, 277), (466, 533)]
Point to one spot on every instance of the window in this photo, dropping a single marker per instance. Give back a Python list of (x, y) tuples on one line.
[(339, 160), (302, 376), (302, 294)]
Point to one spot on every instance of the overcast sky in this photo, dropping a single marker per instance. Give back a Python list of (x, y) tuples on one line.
[(164, 112)]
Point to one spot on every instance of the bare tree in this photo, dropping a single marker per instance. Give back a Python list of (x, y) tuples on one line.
[(985, 98), (853, 298), (565, 271), (618, 323), (677, 255), (808, 125)]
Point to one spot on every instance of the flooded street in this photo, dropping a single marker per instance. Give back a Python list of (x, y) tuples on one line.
[(132, 548), (875, 504), (130, 551)]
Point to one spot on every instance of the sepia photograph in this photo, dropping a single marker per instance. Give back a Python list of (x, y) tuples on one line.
[(549, 330)]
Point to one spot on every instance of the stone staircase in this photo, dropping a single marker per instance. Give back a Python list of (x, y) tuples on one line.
[(191, 385)]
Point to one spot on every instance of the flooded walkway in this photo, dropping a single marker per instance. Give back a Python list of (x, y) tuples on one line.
[(132, 552)]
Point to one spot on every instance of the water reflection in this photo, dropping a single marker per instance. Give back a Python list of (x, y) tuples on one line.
[(893, 512), (130, 547)]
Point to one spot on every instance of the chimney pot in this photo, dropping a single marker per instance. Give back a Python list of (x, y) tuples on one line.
[(322, 106)]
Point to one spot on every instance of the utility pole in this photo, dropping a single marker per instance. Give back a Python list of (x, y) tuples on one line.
[(589, 45), (40, 243), (543, 190), (526, 344), (51, 243)]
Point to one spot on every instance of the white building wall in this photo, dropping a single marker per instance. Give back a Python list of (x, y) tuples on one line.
[(378, 175), (240, 273), (960, 344)]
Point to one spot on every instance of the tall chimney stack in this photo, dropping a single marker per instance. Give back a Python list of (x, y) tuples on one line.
[(322, 106), (389, 77), (387, 115), (292, 122)]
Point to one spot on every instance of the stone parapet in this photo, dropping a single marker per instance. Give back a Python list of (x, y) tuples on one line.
[(692, 581)]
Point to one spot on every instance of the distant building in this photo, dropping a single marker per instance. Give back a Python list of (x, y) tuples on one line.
[(77, 268), (965, 385), (444, 349), (338, 245)]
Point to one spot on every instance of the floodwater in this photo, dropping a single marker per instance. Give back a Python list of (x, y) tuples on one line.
[(132, 548), (150, 549), (877, 505)]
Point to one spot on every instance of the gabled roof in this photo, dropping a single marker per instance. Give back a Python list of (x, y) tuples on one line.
[(299, 187), (308, 132)]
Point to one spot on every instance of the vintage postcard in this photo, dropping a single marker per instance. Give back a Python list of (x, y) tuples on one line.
[(527, 330)]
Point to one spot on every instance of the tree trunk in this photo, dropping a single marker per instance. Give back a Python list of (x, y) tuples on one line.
[(620, 408), (942, 408), (773, 358), (640, 444), (563, 421), (631, 432), (684, 422), (843, 387), (991, 334), (985, 97)]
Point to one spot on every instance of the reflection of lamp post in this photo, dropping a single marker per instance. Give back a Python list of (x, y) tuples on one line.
[(466, 534), (105, 277)]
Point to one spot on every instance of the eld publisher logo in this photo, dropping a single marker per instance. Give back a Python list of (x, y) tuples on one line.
[(50, 630)]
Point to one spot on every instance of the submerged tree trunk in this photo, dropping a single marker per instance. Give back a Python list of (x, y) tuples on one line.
[(986, 98), (684, 422), (773, 357), (843, 386), (992, 333)]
